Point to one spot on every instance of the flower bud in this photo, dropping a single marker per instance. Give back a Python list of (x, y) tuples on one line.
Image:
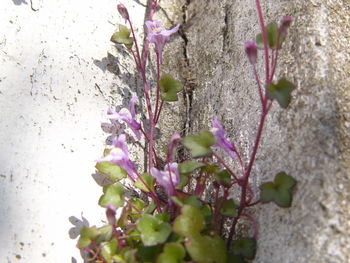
[(110, 213), (251, 51), (286, 21), (123, 11)]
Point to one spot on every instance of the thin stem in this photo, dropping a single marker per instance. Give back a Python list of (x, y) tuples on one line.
[(259, 85), (158, 89), (254, 203), (275, 59), (264, 37), (226, 166), (133, 206), (151, 192), (136, 45), (239, 158), (254, 223), (159, 111)]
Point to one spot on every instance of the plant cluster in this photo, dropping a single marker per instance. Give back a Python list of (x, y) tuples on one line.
[(173, 223)]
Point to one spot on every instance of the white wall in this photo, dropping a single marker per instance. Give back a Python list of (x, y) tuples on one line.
[(50, 119)]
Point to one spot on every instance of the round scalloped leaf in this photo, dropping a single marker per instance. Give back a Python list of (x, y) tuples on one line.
[(229, 208), (114, 172), (183, 181), (130, 256), (272, 35), (190, 222), (122, 37), (245, 247), (280, 191), (232, 258), (224, 178), (200, 144), (113, 194), (189, 166), (105, 233), (172, 253), (281, 92), (153, 231), (169, 87), (149, 254), (87, 234), (206, 249), (108, 249), (148, 179)]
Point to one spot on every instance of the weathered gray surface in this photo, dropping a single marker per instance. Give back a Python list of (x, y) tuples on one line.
[(310, 140)]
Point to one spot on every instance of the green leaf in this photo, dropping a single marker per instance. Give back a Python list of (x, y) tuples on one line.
[(271, 34), (114, 172), (164, 217), (169, 88), (206, 249), (108, 249), (189, 166), (122, 37), (150, 208), (281, 92), (138, 203), (224, 178), (172, 253), (149, 254), (200, 144), (190, 222), (130, 256), (148, 179), (232, 258), (279, 191), (183, 181), (229, 208), (207, 213), (193, 201), (87, 234), (105, 233), (245, 247), (113, 194), (153, 231), (210, 169)]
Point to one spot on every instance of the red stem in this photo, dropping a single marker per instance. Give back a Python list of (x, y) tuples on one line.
[(158, 89), (226, 166), (264, 37)]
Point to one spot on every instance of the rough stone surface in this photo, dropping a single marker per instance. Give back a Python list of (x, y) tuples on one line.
[(310, 140)]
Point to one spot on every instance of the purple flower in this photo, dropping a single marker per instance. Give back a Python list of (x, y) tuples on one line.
[(128, 116), (221, 140), (119, 155), (159, 36), (168, 179)]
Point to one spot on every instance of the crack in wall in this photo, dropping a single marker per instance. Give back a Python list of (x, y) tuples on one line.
[(225, 29), (186, 73), (189, 83)]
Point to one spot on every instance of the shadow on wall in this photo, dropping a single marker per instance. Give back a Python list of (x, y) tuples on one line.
[(75, 231), (19, 2)]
